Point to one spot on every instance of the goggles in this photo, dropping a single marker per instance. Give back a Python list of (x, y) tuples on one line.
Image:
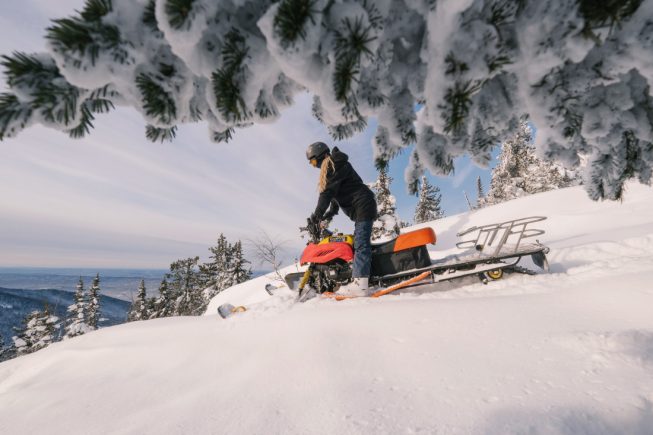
[(313, 162)]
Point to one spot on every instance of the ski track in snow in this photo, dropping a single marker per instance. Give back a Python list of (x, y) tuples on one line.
[(561, 353)]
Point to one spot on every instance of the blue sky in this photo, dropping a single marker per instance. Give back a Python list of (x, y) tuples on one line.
[(114, 199)]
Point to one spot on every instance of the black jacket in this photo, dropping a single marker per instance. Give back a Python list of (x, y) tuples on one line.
[(345, 188)]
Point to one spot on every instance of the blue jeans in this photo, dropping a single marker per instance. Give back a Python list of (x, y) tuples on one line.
[(362, 249)]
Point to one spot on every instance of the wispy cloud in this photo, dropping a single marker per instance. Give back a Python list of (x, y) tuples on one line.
[(116, 182), (464, 168)]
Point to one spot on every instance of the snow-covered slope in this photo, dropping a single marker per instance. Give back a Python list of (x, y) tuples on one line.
[(568, 352)]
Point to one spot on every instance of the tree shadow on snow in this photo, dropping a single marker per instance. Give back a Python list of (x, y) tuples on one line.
[(569, 421)]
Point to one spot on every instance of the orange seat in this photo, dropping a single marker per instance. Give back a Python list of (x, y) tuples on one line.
[(415, 238)]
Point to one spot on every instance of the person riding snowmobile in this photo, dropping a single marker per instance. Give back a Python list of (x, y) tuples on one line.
[(341, 187)]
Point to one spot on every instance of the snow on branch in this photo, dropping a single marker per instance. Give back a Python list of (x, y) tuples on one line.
[(452, 77)]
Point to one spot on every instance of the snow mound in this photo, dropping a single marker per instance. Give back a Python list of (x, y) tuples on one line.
[(568, 352)]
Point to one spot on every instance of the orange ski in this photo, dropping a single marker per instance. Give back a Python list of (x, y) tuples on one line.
[(380, 292)]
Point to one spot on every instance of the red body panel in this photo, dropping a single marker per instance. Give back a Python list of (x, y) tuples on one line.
[(321, 254)]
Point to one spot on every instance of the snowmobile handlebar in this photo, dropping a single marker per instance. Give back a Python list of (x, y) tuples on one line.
[(315, 230)]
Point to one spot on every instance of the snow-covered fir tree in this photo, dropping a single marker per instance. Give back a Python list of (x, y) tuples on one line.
[(216, 273), (227, 267), (480, 192), (164, 305), (428, 203), (3, 350), (184, 283), (37, 332), (76, 322), (520, 172), (240, 271), (138, 310), (93, 313), (581, 75), (386, 224)]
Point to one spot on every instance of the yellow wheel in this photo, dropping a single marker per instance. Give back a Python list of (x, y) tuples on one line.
[(495, 274)]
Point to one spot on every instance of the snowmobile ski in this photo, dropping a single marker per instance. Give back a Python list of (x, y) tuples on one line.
[(384, 291), (271, 288), (226, 310)]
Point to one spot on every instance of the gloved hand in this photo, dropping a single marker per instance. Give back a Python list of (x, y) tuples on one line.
[(328, 216), (313, 220)]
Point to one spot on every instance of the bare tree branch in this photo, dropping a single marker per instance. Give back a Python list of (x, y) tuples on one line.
[(269, 250)]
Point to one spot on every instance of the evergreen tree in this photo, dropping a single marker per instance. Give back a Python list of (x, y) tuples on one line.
[(428, 203), (183, 281), (3, 350), (175, 62), (480, 192), (386, 225), (151, 308), (240, 272), (138, 310), (216, 273), (37, 332), (164, 305), (93, 314), (520, 172), (76, 322)]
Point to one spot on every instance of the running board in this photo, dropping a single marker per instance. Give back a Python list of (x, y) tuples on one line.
[(538, 255)]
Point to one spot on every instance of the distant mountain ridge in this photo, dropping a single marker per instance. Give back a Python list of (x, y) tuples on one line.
[(15, 304)]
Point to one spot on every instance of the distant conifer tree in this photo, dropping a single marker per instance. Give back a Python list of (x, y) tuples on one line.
[(164, 304), (151, 308), (480, 192), (138, 310), (215, 273), (93, 314), (428, 203), (183, 280), (76, 322), (386, 225), (240, 272), (37, 332), (520, 172), (3, 350)]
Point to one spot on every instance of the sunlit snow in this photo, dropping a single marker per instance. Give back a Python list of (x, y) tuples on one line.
[(564, 352)]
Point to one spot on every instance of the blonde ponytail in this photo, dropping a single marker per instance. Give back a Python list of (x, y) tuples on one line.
[(327, 164)]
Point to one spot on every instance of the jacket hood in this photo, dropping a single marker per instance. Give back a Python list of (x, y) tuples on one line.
[(338, 156)]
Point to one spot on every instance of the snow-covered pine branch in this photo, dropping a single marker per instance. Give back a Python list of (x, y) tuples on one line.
[(581, 71)]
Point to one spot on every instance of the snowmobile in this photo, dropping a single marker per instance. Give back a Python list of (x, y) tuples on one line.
[(487, 251)]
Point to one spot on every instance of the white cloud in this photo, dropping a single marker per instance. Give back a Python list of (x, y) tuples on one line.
[(188, 191), (464, 168), (115, 199)]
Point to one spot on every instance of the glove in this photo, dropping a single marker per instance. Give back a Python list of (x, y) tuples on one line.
[(313, 220), (328, 216)]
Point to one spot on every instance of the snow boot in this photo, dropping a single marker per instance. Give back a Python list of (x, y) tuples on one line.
[(358, 287)]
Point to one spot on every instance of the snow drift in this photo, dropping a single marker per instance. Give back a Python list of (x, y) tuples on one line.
[(568, 352)]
